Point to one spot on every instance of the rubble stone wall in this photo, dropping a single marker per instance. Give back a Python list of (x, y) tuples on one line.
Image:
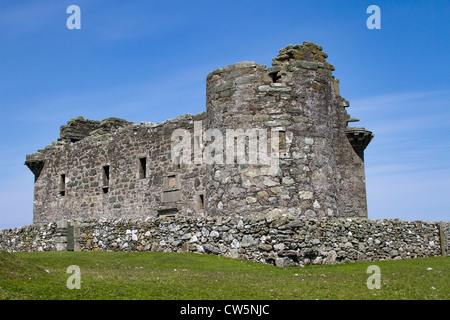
[(102, 175), (282, 241)]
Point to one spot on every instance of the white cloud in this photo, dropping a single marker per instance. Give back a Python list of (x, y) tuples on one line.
[(16, 200), (407, 171), (412, 195), (394, 100), (178, 92)]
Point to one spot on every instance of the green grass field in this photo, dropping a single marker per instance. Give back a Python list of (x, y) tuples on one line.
[(186, 276)]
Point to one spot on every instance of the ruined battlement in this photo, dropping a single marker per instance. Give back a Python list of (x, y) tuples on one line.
[(292, 109), (80, 128)]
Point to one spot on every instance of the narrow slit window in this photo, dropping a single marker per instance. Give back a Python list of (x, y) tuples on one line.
[(62, 185), (142, 168), (282, 141), (201, 201), (105, 179)]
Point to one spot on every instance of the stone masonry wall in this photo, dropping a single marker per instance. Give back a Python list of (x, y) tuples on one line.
[(118, 169), (319, 173), (74, 184), (282, 241)]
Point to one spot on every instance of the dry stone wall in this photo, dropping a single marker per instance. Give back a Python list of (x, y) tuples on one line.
[(282, 241), (48, 237)]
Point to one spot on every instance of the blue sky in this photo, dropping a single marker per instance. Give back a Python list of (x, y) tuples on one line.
[(148, 61)]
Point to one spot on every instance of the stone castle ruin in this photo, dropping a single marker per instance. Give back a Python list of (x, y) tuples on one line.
[(115, 168), (271, 173)]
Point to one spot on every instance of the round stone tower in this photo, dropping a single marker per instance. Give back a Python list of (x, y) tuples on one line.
[(285, 139)]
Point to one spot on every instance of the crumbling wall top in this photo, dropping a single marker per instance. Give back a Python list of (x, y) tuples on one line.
[(78, 128), (307, 55)]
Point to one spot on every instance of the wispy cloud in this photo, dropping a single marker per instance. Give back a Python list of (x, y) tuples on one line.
[(181, 91), (404, 116), (416, 123), (407, 164), (139, 26), (21, 19), (394, 100), (16, 199), (412, 195)]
